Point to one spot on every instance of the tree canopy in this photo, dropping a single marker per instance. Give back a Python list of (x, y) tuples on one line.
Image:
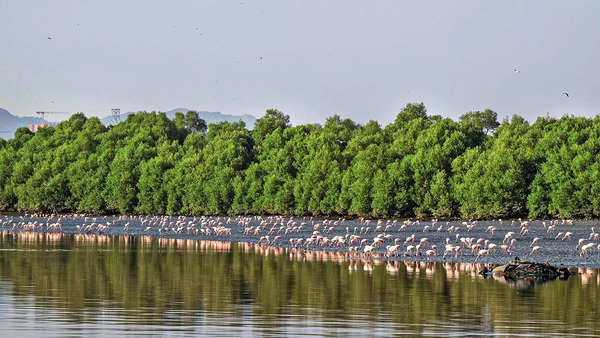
[(419, 165)]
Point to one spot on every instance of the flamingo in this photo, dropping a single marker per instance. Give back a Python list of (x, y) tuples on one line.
[(580, 243), (449, 248), (418, 250), (585, 248), (481, 253), (506, 249), (392, 250), (368, 250), (535, 249), (430, 253), (593, 235)]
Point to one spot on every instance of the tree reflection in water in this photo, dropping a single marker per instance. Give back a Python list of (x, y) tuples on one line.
[(145, 280)]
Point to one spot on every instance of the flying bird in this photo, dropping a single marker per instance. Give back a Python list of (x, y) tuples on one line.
[(49, 38), (516, 70), (565, 94)]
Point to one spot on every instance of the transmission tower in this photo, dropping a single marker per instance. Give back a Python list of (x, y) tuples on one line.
[(116, 114)]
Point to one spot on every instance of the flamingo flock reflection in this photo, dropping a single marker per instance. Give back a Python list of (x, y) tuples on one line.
[(355, 261)]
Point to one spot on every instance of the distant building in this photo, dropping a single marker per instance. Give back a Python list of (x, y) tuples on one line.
[(36, 126)]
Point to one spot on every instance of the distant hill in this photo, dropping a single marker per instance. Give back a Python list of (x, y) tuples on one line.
[(209, 117), (9, 122)]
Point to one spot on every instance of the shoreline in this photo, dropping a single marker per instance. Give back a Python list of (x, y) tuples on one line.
[(308, 217)]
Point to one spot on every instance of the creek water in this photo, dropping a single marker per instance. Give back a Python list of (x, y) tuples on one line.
[(54, 284)]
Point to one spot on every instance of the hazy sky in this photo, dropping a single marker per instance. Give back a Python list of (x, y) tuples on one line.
[(311, 59)]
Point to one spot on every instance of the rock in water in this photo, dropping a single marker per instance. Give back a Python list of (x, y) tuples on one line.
[(519, 269)]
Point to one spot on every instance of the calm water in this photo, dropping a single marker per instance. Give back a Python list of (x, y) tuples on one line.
[(75, 285)]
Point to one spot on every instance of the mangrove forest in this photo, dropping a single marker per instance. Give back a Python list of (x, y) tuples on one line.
[(419, 165)]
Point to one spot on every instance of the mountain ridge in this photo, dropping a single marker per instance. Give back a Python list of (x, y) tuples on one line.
[(209, 117), (9, 123)]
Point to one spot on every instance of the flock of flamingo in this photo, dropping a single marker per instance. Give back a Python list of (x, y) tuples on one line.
[(562, 241)]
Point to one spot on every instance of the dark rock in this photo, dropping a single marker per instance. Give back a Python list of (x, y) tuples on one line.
[(517, 269)]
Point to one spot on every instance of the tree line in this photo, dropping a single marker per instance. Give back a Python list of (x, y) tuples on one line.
[(419, 165)]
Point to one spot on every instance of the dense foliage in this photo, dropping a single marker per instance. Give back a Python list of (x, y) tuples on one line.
[(419, 165)]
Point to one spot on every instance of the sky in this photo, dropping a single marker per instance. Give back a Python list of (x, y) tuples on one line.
[(310, 59)]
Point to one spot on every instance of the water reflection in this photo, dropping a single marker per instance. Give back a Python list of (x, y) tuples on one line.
[(94, 284)]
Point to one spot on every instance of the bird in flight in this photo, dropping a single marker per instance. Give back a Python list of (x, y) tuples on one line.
[(565, 94), (49, 38), (516, 70)]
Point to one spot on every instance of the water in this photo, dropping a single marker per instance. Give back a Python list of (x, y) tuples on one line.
[(81, 285)]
